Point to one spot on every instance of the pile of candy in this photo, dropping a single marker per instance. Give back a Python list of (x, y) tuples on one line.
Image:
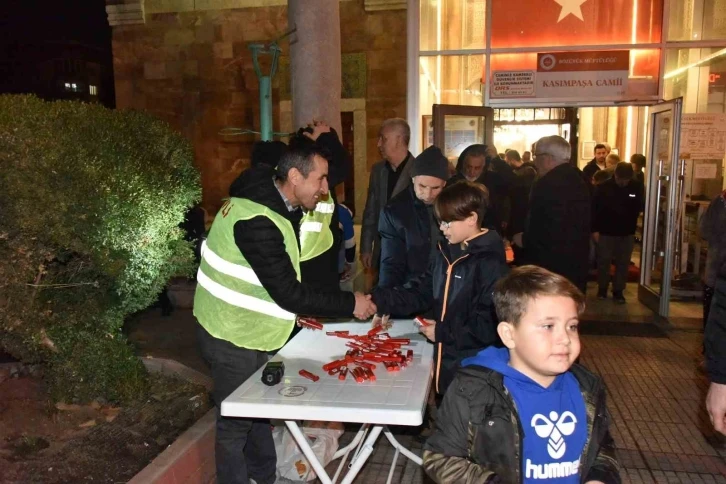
[(365, 352)]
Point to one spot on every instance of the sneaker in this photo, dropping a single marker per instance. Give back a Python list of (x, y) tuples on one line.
[(618, 297), (602, 294)]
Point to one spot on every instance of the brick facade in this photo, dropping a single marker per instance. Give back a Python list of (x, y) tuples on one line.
[(193, 69)]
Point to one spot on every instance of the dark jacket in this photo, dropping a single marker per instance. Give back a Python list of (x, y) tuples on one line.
[(557, 234), (712, 227), (322, 271), (478, 436), (589, 171), (405, 231), (370, 242), (498, 177), (615, 210), (715, 332), (262, 244), (521, 188), (458, 285)]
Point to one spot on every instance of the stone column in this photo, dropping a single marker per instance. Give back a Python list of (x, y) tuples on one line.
[(315, 61)]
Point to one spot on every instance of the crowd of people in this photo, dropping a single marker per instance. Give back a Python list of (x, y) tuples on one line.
[(506, 339)]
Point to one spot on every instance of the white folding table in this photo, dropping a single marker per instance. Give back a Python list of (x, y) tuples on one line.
[(395, 398)]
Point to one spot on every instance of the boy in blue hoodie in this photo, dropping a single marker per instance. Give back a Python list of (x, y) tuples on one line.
[(526, 413)]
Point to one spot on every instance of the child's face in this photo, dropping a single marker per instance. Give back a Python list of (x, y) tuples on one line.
[(546, 341), (457, 231)]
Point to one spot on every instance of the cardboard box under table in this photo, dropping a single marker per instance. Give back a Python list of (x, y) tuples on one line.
[(395, 398)]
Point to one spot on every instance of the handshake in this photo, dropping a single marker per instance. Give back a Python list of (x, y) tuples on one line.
[(364, 306)]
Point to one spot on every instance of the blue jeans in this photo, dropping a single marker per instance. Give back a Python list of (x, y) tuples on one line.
[(244, 448)]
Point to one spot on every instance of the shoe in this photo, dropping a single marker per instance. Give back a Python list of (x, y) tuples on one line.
[(618, 297), (602, 294)]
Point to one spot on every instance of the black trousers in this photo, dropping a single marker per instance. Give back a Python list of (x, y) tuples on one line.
[(244, 448)]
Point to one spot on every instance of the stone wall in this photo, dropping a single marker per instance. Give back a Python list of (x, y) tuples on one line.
[(193, 69)]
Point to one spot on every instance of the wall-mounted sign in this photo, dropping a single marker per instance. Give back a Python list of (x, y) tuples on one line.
[(703, 136), (594, 75), (506, 84), (599, 76)]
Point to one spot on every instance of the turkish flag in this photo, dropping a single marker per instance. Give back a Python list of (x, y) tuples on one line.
[(534, 23)]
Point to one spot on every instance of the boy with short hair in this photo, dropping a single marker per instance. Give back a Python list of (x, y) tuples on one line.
[(458, 284), (526, 413)]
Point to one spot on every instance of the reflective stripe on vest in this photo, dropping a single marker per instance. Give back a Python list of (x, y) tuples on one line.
[(315, 234), (240, 300), (235, 270), (230, 302)]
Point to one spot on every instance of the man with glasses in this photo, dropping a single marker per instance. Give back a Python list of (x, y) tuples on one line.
[(557, 232)]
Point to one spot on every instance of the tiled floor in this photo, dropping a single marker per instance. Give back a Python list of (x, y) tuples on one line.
[(655, 395)]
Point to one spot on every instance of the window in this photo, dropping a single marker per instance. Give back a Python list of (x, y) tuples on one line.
[(451, 80), (452, 24), (93, 90)]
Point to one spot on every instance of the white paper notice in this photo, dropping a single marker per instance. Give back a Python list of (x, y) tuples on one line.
[(512, 84), (703, 136), (705, 170)]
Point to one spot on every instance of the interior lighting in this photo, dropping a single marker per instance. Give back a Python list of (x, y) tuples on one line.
[(704, 60)]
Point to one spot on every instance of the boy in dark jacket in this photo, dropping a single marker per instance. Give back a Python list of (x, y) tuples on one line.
[(458, 284), (526, 412)]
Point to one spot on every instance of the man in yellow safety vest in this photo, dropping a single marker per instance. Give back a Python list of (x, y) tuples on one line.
[(249, 293)]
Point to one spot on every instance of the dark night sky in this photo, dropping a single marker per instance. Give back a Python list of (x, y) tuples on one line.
[(32, 31), (38, 21)]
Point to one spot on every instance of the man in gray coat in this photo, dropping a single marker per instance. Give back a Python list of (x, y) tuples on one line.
[(389, 177)]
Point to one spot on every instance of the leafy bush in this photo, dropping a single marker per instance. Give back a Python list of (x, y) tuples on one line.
[(90, 203)]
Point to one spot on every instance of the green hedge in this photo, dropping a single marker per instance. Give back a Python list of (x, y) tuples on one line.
[(90, 203)]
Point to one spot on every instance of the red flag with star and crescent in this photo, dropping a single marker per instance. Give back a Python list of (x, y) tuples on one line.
[(532, 23)]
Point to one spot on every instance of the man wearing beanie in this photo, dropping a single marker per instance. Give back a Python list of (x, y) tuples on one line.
[(408, 229)]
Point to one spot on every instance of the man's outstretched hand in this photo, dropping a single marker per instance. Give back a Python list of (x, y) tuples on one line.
[(364, 306)]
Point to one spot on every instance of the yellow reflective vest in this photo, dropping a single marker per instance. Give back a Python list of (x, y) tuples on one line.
[(230, 302), (315, 234)]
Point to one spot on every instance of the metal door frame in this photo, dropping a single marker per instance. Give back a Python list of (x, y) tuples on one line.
[(440, 111), (660, 303)]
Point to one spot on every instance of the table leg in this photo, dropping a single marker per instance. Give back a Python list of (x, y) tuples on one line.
[(363, 455), (401, 448), (393, 467), (342, 454), (359, 459)]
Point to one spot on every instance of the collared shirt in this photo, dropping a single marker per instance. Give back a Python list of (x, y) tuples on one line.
[(289, 206), (394, 175)]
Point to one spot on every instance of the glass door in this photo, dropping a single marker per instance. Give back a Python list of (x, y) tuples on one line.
[(663, 201), (456, 127)]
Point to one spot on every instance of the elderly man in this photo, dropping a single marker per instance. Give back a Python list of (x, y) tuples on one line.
[(389, 177), (557, 234), (408, 228), (481, 164)]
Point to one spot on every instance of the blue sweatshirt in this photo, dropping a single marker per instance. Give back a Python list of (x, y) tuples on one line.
[(554, 420)]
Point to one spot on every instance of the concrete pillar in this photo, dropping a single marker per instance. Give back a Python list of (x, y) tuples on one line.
[(315, 61)]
